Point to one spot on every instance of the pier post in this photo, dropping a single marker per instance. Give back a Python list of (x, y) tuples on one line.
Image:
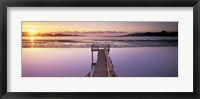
[(92, 56)]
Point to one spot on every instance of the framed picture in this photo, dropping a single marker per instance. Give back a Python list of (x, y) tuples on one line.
[(90, 49)]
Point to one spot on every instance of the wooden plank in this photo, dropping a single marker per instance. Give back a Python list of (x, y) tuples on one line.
[(100, 69)]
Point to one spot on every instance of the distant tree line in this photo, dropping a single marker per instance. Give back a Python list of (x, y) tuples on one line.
[(162, 33)]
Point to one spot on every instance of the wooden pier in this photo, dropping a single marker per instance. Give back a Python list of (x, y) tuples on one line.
[(103, 67)]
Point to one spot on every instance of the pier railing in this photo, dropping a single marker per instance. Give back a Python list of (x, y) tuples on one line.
[(109, 65), (95, 47)]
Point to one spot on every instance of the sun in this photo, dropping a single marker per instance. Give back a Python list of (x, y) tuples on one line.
[(32, 32)]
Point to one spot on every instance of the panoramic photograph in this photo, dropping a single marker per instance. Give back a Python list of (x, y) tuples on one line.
[(99, 48)]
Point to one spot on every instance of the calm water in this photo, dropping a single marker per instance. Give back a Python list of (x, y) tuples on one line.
[(75, 62)]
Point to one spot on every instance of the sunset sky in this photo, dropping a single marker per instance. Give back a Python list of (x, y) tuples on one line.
[(125, 26)]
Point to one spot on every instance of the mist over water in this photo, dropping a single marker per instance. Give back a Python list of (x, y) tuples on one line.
[(86, 42)]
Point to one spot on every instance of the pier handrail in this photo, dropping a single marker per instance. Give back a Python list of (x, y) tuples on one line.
[(95, 47), (110, 66)]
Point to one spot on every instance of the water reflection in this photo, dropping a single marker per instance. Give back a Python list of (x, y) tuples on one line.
[(76, 62), (32, 39)]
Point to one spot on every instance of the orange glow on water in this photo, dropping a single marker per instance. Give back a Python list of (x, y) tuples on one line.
[(32, 39)]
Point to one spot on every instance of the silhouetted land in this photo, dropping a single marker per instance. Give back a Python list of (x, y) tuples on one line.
[(53, 34), (71, 33), (162, 33), (49, 34)]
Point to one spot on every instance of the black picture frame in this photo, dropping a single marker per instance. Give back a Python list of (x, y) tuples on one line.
[(98, 3)]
